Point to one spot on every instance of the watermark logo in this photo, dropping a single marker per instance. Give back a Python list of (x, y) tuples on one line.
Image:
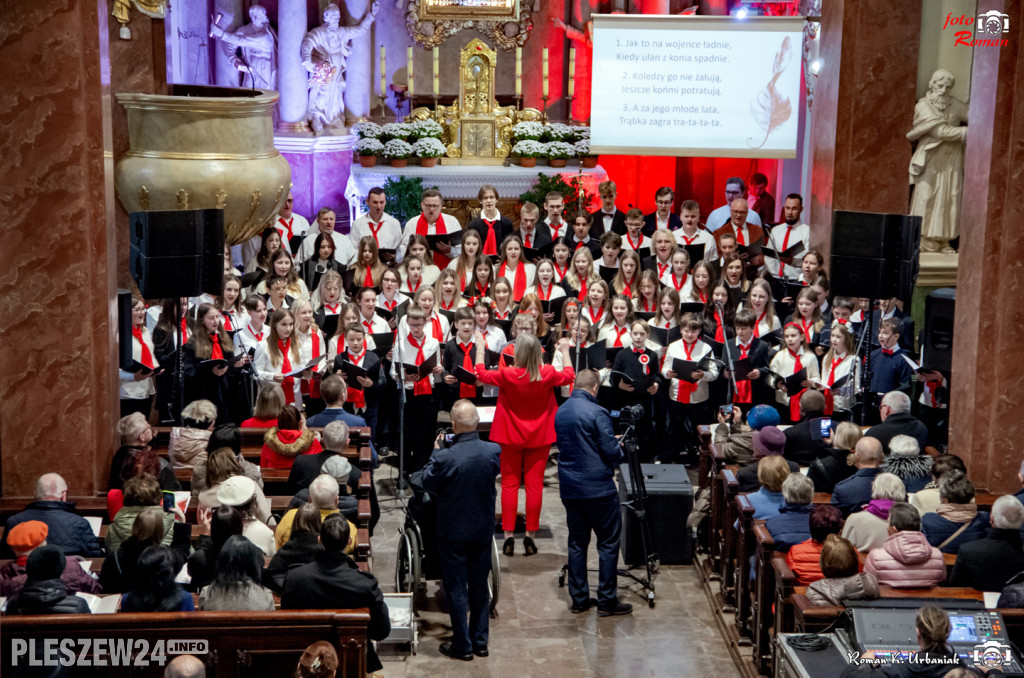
[(992, 654), (988, 29), (100, 651)]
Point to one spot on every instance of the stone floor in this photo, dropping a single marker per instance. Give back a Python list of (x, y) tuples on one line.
[(535, 634)]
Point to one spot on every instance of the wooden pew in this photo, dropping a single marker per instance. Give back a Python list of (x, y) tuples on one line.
[(716, 518), (726, 538), (745, 549), (252, 441), (240, 643), (764, 593)]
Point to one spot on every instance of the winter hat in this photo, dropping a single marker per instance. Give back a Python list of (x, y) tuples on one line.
[(28, 535), (761, 416), (768, 441), (46, 562)]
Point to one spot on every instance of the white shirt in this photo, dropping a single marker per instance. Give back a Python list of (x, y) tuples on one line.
[(298, 223), (250, 250), (645, 243), (720, 216), (267, 370), (533, 237), (701, 237), (405, 353), (563, 229), (661, 224), (554, 291), (344, 253), (607, 220), (528, 269), (377, 324), (798, 233), (428, 327), (598, 263), (246, 339), (306, 347), (388, 237), (451, 225), (684, 291), (783, 365), (842, 397), (238, 319), (130, 388), (677, 350)]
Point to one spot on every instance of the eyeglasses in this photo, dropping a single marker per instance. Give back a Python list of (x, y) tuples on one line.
[(663, 203)]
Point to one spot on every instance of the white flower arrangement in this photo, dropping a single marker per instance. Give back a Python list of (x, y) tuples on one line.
[(527, 130), (367, 130), (369, 146), (557, 131), (580, 133), (396, 148), (529, 148), (397, 130), (429, 147), (582, 147), (560, 149), (426, 128)]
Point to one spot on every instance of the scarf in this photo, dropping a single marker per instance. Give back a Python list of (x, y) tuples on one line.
[(785, 244), (146, 357), (287, 227), (760, 319), (685, 388), (449, 305), (356, 396), (408, 285), (286, 366), (554, 229), (528, 240), (216, 352), (743, 391), (422, 228), (806, 327), (491, 242), (595, 319), (541, 294), (879, 508), (390, 305), (375, 229), (619, 331), (331, 309), (583, 289), (257, 337), (425, 385), (719, 330), (688, 241), (368, 280), (635, 245), (560, 273), (435, 328), (519, 284), (466, 390), (663, 268), (958, 513), (627, 286), (649, 308), (228, 325), (829, 397), (794, 400)]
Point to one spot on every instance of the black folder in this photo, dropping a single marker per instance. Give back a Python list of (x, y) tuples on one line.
[(696, 253), (641, 384), (422, 370), (383, 343)]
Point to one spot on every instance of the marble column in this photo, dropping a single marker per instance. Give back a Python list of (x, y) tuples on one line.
[(359, 66), (291, 75), (988, 375), (863, 106), (58, 379)]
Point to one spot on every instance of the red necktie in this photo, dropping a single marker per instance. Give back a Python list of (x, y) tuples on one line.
[(529, 240), (829, 401), (662, 268), (519, 283), (785, 244), (331, 310), (408, 285), (686, 388), (807, 329), (583, 289), (424, 386), (184, 329), (739, 237), (688, 241), (258, 337), (743, 394), (627, 287), (435, 323), (635, 245), (719, 331), (374, 230), (491, 242), (554, 230), (794, 400), (288, 227), (368, 324), (675, 283), (356, 395), (440, 228), (542, 295), (757, 325), (466, 390), (146, 356), (390, 305), (228, 327), (368, 280), (561, 272), (286, 366), (216, 353), (618, 335), (579, 244), (595, 319)]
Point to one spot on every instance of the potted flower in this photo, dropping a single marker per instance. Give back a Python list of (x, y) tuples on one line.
[(422, 129), (583, 151), (558, 152), (397, 152), (368, 149), (367, 130), (396, 130), (528, 151), (527, 131), (428, 150), (557, 131), (579, 133)]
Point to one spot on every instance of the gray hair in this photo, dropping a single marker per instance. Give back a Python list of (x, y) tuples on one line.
[(897, 401), (797, 489), (201, 412), (956, 488), (1007, 513), (465, 412), (888, 486), (131, 427), (904, 446), (904, 517), (50, 486), (336, 436), (323, 492)]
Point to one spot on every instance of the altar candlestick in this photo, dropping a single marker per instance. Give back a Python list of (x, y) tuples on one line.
[(544, 74), (408, 67), (572, 71), (437, 74), (519, 71), (383, 73)]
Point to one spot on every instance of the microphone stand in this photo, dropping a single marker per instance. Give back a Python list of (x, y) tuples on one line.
[(731, 390), (866, 331), (400, 371)]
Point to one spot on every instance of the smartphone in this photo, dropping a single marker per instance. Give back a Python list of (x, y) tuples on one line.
[(826, 428), (449, 438), (726, 410), (821, 428)]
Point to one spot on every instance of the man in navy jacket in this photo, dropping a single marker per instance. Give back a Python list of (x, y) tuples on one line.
[(460, 479), (588, 454), (850, 494)]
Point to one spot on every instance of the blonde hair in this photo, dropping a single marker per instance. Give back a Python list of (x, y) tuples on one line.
[(933, 627), (528, 355)]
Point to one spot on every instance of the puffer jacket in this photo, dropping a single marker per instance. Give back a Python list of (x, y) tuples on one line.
[(47, 596), (69, 532), (915, 472), (187, 446), (804, 559), (280, 447), (1013, 592), (863, 586), (907, 560)]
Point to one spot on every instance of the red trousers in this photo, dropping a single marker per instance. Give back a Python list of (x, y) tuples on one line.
[(528, 462)]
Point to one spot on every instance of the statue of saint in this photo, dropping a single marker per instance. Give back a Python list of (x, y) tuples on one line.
[(324, 51), (937, 166), (252, 49)]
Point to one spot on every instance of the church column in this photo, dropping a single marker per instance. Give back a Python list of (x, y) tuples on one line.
[(291, 75), (988, 372), (359, 66)]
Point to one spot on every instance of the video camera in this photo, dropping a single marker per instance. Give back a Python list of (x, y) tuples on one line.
[(629, 415)]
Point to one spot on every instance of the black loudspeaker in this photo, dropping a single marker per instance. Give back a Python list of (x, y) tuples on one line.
[(124, 328), (937, 341), (875, 255), (177, 253), (669, 502)]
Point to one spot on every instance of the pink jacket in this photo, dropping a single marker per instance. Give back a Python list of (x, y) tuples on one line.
[(907, 560)]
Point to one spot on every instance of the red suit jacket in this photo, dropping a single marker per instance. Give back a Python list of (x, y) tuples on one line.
[(525, 416)]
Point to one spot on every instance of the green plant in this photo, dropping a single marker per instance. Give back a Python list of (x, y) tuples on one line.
[(403, 197), (576, 196)]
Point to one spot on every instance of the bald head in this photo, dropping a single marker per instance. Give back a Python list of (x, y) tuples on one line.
[(868, 452), (51, 487), (185, 666), (589, 381), (738, 210), (465, 417)]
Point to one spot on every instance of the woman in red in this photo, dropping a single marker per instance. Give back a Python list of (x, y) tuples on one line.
[(524, 426), (289, 439)]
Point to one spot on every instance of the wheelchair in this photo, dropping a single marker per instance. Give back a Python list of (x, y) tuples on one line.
[(418, 559)]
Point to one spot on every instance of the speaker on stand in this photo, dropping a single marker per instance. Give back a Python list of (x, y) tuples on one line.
[(124, 329)]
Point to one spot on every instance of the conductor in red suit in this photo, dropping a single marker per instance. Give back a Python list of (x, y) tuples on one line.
[(524, 426)]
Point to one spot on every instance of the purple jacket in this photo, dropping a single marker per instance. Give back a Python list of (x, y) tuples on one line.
[(907, 560), (13, 577)]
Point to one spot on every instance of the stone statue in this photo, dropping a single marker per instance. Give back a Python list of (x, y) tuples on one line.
[(252, 49), (324, 51), (937, 166)]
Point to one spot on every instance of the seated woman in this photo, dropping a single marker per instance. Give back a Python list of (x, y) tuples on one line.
[(840, 565), (44, 592), (906, 461), (240, 493), (221, 466), (188, 442), (119, 569), (906, 559), (772, 472), (867, 529), (155, 589), (237, 584), (319, 660), (231, 438), (289, 439), (927, 499), (837, 464), (219, 524), (302, 546), (792, 525), (804, 559), (140, 494), (770, 441), (936, 659), (269, 402), (957, 520)]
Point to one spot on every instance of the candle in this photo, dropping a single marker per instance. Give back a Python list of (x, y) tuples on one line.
[(544, 74), (408, 66), (383, 73), (437, 75), (519, 71), (572, 71)]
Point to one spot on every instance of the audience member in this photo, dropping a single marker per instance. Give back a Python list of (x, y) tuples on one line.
[(140, 494), (842, 581), (792, 525), (25, 538), (867, 529), (347, 475), (119, 568), (289, 439), (935, 660), (333, 581), (44, 592), (801, 445), (772, 472), (906, 559), (136, 434), (957, 519), (896, 419), (231, 438), (319, 660), (237, 583), (219, 524), (269, 401), (768, 442), (735, 439), (927, 499), (323, 493), (67, 531), (987, 564), (906, 461), (301, 548), (185, 666), (850, 494), (307, 467), (155, 589), (804, 559), (188, 443), (221, 465), (240, 493), (837, 464)]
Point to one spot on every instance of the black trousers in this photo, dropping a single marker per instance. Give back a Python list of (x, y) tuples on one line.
[(465, 569), (603, 517)]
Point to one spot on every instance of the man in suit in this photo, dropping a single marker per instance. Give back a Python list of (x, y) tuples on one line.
[(609, 217), (850, 494), (307, 467), (801, 445), (897, 420), (554, 223), (334, 391), (747, 234), (334, 582), (734, 188), (532, 236), (461, 480), (987, 564), (663, 217), (762, 203)]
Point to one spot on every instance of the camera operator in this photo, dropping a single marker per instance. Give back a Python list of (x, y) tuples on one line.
[(588, 454), (461, 478)]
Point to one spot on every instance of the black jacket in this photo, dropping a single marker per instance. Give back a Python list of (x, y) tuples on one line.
[(202, 564), (801, 447), (594, 245), (332, 581), (987, 564), (48, 596), (829, 470), (502, 229), (746, 477), (118, 472), (852, 493), (899, 424), (460, 478), (618, 224), (118, 572), (69, 532), (306, 468), (300, 549), (651, 223), (541, 237), (759, 357)]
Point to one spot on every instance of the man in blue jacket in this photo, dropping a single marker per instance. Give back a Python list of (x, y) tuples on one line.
[(68, 531), (461, 479), (850, 494), (588, 454)]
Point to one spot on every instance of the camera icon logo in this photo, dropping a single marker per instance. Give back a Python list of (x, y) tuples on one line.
[(992, 654), (993, 22)]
